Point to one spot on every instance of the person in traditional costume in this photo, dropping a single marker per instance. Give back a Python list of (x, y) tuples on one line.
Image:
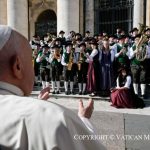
[(61, 48), (88, 45), (28, 123), (71, 36), (68, 60), (55, 62), (121, 55), (36, 64), (123, 96), (139, 67), (118, 32), (62, 37), (106, 59), (134, 33), (43, 59), (87, 34), (148, 63), (82, 68), (111, 41), (93, 81), (35, 40)]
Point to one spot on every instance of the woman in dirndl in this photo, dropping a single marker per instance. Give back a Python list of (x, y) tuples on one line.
[(123, 95), (93, 75)]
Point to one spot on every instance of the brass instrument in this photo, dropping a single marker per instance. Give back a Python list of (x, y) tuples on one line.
[(80, 61), (57, 54), (70, 63), (141, 51)]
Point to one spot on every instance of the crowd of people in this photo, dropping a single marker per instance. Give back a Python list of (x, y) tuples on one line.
[(40, 125), (101, 65)]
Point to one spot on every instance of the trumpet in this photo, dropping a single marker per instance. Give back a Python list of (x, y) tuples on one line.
[(57, 54)]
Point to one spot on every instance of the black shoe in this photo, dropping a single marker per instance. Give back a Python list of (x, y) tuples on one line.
[(66, 92), (35, 84), (53, 92), (80, 93), (143, 96), (84, 93), (57, 92), (72, 92)]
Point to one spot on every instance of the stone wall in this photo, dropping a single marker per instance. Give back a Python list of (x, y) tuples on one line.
[(89, 16), (3, 12)]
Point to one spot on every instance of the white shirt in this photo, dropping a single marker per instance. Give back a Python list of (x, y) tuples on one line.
[(117, 54), (132, 53), (30, 124), (127, 84), (91, 56), (63, 59), (40, 58)]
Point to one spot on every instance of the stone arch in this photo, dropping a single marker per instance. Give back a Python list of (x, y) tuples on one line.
[(46, 23), (40, 11), (47, 13), (35, 11)]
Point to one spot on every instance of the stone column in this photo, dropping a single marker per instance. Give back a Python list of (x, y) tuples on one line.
[(17, 15), (67, 16), (148, 13), (138, 15), (89, 16), (81, 13), (3, 12)]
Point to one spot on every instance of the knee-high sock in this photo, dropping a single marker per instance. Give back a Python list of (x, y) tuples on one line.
[(143, 87), (135, 86), (58, 85), (47, 84), (84, 87), (53, 86), (36, 79), (66, 86), (71, 86), (80, 87), (43, 84)]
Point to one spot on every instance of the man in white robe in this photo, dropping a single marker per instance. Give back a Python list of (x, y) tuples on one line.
[(31, 124)]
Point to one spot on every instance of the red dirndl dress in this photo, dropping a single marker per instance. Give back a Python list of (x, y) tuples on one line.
[(123, 98)]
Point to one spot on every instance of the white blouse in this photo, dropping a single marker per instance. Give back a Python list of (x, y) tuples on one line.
[(127, 84), (91, 56)]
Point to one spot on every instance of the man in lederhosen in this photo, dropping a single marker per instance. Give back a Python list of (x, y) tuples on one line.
[(62, 38), (139, 68), (55, 61), (35, 64), (82, 68), (43, 59), (121, 54), (68, 59)]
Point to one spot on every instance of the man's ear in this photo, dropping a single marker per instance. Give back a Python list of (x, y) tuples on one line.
[(17, 67)]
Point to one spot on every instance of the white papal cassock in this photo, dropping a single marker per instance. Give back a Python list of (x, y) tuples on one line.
[(31, 124)]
